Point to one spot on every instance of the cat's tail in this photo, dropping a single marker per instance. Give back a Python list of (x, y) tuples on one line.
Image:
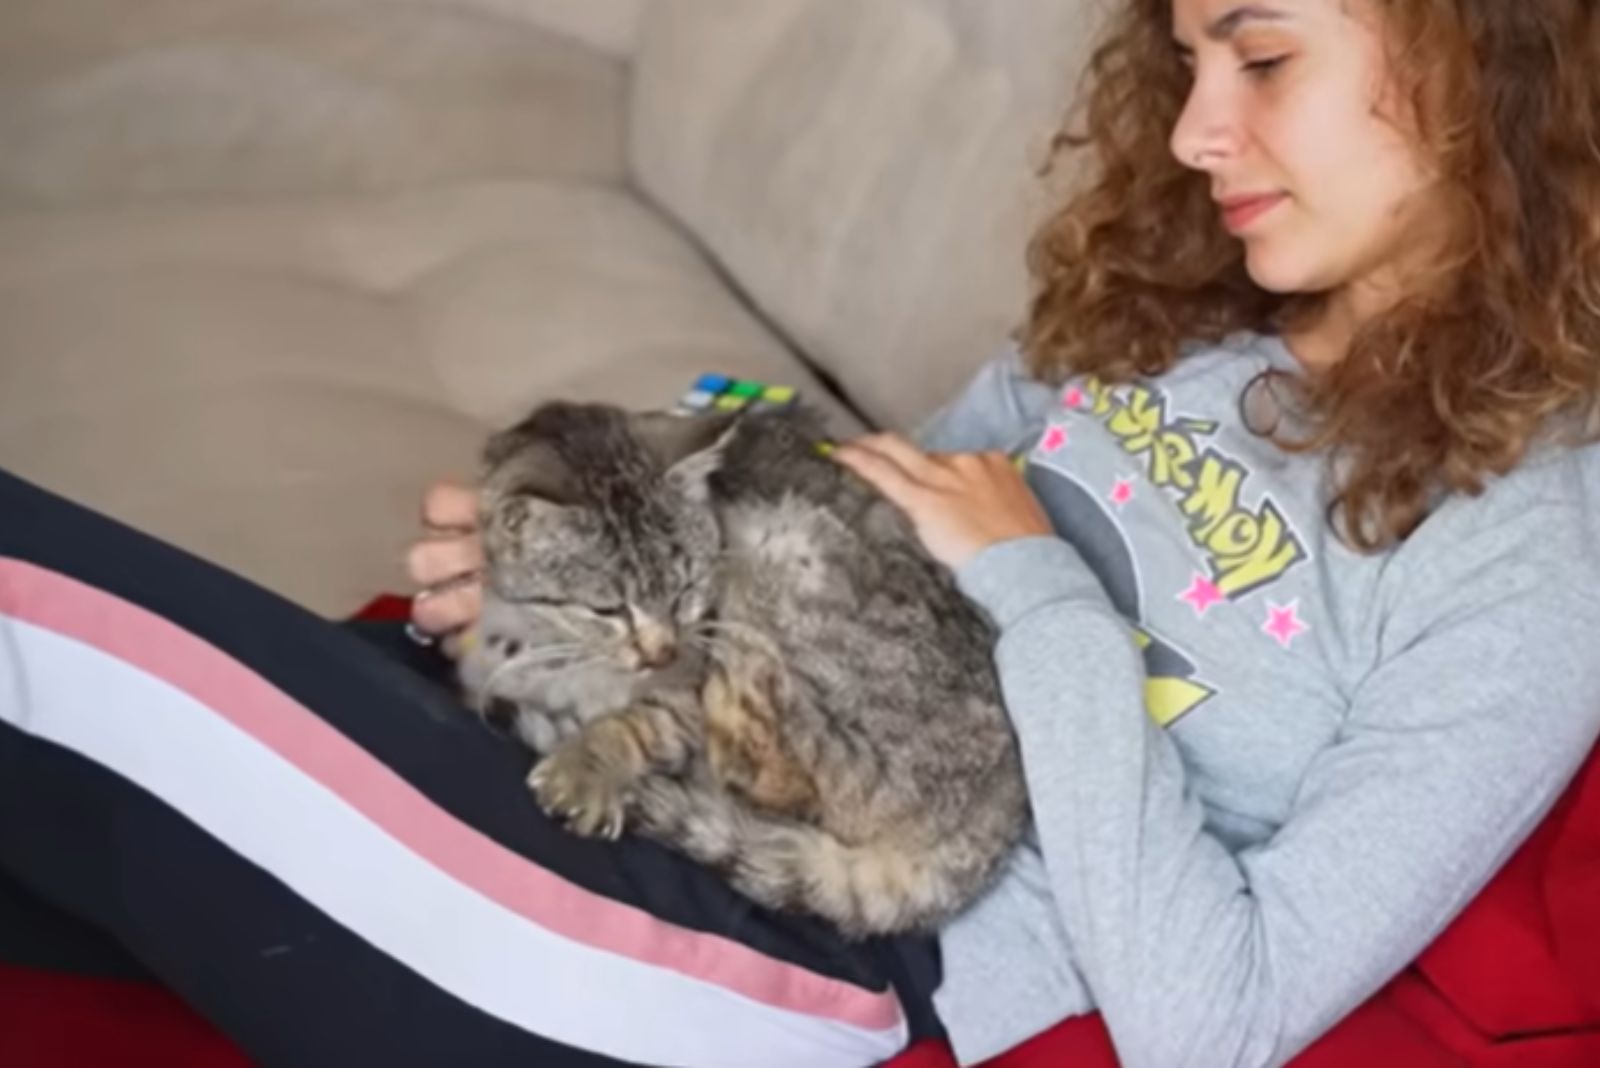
[(887, 886)]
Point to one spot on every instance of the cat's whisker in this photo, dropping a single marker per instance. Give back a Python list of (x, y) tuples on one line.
[(548, 652), (737, 637), (720, 624), (750, 638), (713, 647), (751, 635), (487, 692), (536, 659), (575, 664), (565, 625)]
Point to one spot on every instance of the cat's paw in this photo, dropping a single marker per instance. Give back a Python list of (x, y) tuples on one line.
[(573, 786)]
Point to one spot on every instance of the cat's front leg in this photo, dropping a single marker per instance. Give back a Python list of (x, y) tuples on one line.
[(588, 779)]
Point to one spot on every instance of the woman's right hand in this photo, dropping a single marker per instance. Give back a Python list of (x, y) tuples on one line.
[(447, 564)]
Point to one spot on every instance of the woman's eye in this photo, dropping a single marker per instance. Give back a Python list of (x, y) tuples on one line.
[(1260, 68)]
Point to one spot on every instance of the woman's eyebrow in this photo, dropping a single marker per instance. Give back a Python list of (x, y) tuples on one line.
[(1223, 27)]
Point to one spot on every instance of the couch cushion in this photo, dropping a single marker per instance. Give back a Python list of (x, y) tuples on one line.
[(272, 386), (226, 97), (864, 169), (611, 26)]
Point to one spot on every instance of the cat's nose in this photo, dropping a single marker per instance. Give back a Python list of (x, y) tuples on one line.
[(657, 647), (659, 658)]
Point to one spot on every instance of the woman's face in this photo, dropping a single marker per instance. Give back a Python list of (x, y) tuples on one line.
[(1292, 116)]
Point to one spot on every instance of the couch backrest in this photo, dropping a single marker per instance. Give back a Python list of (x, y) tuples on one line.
[(610, 26), (864, 169), (105, 101)]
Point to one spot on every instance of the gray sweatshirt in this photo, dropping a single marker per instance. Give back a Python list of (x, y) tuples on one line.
[(1266, 770)]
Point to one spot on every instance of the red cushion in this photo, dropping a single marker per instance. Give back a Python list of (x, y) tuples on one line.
[(1377, 1035), (1524, 957), (58, 1020), (1572, 887), (388, 607)]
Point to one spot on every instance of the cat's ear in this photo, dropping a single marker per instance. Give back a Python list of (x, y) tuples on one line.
[(501, 446), (689, 447), (515, 463), (525, 485)]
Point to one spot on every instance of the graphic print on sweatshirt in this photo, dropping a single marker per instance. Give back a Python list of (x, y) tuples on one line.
[(1167, 521)]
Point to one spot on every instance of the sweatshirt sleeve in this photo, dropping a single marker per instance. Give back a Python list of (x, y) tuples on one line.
[(1483, 704), (997, 410)]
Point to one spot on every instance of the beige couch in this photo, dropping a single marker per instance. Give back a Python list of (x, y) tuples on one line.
[(267, 267)]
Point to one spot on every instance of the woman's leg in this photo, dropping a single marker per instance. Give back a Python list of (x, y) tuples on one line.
[(317, 848)]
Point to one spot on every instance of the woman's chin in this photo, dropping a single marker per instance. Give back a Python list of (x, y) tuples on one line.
[(1277, 272)]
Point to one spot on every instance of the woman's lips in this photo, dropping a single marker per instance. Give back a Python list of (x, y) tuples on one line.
[(1240, 212)]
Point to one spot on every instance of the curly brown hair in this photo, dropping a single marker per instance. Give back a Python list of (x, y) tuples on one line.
[(1456, 381)]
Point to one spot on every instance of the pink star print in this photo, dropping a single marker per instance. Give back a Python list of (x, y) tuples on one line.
[(1122, 492), (1073, 397), (1202, 595), (1284, 623), (1054, 439)]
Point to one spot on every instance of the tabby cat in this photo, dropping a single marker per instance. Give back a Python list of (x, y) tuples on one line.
[(718, 637)]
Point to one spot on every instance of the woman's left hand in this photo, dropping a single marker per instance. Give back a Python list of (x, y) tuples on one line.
[(960, 503)]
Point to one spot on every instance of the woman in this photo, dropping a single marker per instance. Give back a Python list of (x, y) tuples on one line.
[(1297, 595)]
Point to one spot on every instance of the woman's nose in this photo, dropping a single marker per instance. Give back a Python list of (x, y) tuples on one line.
[(1206, 132)]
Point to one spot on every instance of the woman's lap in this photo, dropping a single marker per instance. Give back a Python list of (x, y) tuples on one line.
[(318, 848)]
